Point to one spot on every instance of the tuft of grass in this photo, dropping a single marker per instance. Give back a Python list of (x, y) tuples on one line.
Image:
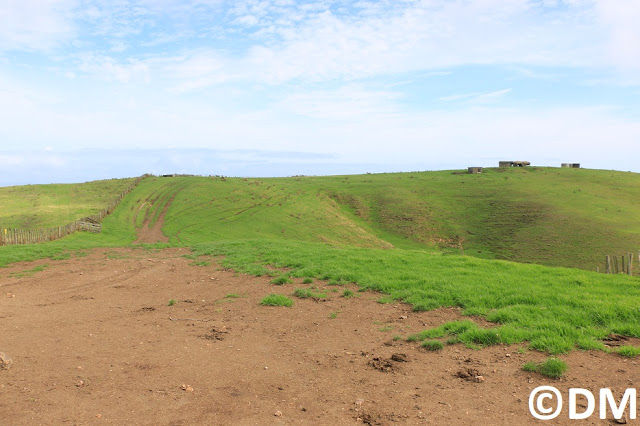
[(304, 293), (432, 345), (386, 328), (348, 294), (530, 366), (307, 281), (628, 351), (397, 337), (232, 296), (281, 280), (200, 263), (552, 367), (333, 315), (29, 272), (277, 300), (172, 302)]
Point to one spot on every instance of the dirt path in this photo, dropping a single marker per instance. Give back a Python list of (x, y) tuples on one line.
[(93, 341), (153, 234)]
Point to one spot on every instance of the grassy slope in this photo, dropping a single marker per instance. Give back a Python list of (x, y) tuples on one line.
[(43, 206), (556, 217), (287, 222)]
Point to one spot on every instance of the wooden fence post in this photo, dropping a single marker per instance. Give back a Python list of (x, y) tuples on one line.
[(629, 264), (608, 266), (623, 260)]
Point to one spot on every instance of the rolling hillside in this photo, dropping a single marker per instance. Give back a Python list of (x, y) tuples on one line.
[(548, 216), (43, 206), (402, 234)]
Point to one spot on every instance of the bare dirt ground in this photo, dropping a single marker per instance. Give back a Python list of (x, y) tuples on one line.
[(149, 233), (93, 341)]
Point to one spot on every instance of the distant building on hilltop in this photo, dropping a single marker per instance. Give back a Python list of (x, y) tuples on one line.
[(571, 165), (513, 163), (475, 170)]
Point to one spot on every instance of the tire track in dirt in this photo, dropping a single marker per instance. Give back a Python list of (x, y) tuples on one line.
[(148, 233)]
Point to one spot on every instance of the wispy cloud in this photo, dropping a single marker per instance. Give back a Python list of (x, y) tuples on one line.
[(478, 98)]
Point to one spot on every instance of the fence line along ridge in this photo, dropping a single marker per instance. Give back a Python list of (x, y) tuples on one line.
[(89, 224)]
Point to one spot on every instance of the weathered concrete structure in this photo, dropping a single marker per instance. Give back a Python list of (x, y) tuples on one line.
[(475, 170), (513, 163)]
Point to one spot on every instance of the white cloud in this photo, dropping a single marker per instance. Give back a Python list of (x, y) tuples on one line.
[(477, 97), (36, 25), (108, 68), (345, 103), (622, 19)]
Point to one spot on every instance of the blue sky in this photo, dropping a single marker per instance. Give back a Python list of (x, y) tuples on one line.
[(93, 89)]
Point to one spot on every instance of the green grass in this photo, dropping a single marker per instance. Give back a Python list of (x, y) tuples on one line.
[(172, 302), (44, 206), (628, 351), (554, 310), (432, 345), (333, 315), (307, 281), (552, 367), (347, 294), (551, 216), (404, 243), (281, 280), (304, 293), (277, 300), (232, 296), (200, 263), (29, 272)]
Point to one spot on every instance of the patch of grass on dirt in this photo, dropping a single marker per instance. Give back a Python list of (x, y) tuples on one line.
[(333, 315), (552, 367), (628, 351), (552, 309), (307, 281), (232, 296), (348, 294), (29, 272), (117, 255), (432, 345), (281, 280), (277, 300), (386, 328), (304, 293), (172, 302), (200, 263)]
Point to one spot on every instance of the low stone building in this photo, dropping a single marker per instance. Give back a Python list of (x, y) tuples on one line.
[(475, 170), (513, 163), (571, 165)]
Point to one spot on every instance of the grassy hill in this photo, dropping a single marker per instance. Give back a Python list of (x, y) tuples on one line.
[(401, 234), (548, 216), (44, 206), (556, 217)]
